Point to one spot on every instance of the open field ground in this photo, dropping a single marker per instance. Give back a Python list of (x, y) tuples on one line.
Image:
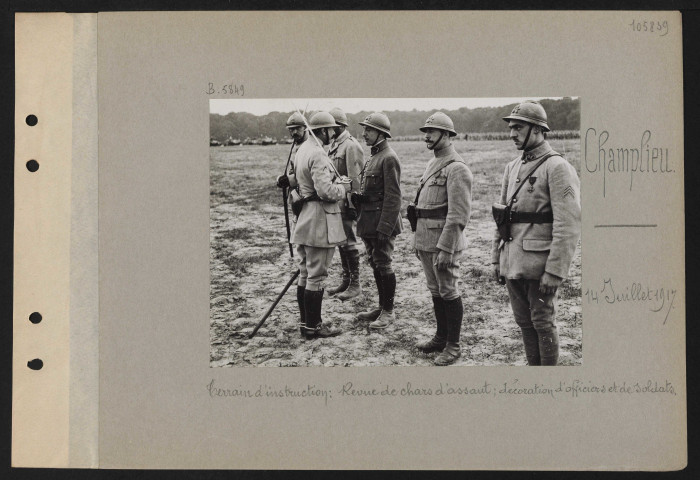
[(250, 265)]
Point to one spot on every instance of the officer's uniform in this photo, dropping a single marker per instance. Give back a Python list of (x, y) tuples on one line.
[(442, 210), (348, 158), (443, 207), (381, 191), (319, 228), (535, 248)]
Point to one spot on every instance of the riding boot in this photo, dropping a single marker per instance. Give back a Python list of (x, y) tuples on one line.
[(353, 262), (371, 315), (302, 312), (437, 343), (532, 345), (549, 346), (345, 281), (454, 311), (314, 325), (386, 317)]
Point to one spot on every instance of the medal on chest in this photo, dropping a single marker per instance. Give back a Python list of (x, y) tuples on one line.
[(531, 181)]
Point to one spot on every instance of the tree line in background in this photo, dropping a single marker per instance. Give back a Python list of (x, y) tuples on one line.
[(478, 123)]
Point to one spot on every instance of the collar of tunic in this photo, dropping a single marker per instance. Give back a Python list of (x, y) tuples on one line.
[(379, 147), (536, 153)]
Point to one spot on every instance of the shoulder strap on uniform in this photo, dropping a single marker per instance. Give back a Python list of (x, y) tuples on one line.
[(551, 154), (422, 184)]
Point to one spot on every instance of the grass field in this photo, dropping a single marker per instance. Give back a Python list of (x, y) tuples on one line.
[(250, 265)]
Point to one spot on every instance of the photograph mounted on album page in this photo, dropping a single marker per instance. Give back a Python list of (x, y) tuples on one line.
[(269, 251)]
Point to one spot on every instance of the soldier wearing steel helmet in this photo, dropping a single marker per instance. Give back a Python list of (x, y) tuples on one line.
[(296, 124), (319, 227), (533, 249), (379, 221), (441, 212), (348, 157)]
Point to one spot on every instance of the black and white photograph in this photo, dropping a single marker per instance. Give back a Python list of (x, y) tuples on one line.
[(395, 232)]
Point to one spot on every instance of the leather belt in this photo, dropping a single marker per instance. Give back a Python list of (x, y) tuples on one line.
[(531, 217), (369, 197), (431, 212)]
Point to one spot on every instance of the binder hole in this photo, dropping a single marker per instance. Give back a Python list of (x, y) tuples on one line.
[(35, 317), (31, 120), (35, 364), (32, 166)]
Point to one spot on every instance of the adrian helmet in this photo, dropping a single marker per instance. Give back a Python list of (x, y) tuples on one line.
[(439, 121), (339, 116), (530, 112), (378, 121), (295, 120), (322, 120)]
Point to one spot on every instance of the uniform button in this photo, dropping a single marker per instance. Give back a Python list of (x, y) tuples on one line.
[(510, 239), (515, 200), (517, 180)]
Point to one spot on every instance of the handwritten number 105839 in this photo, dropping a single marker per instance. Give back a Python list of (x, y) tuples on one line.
[(651, 26)]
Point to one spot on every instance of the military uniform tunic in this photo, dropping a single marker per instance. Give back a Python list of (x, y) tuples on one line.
[(348, 158), (535, 248), (450, 187), (319, 228)]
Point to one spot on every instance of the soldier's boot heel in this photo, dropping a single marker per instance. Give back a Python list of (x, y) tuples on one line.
[(449, 355), (383, 320), (370, 315), (435, 344)]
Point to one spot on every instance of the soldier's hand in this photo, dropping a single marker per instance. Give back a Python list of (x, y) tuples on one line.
[(496, 271), (283, 181), (549, 283), (381, 238), (444, 260)]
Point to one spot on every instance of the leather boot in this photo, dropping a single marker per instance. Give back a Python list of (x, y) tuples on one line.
[(549, 346), (314, 325), (302, 312), (372, 315), (532, 345), (437, 343), (354, 289), (345, 281), (386, 317), (449, 355), (454, 311)]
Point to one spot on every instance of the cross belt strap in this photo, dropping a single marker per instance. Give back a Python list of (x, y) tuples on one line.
[(531, 217), (431, 212)]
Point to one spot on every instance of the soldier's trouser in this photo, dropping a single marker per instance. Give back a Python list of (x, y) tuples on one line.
[(313, 266), (534, 313), (379, 254), (441, 283), (349, 226)]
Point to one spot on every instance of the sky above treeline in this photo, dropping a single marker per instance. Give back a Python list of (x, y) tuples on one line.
[(353, 105)]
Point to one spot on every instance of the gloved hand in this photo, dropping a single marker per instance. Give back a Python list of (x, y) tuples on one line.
[(351, 213), (283, 181), (356, 199)]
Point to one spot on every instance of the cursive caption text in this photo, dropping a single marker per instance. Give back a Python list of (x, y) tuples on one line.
[(657, 299)]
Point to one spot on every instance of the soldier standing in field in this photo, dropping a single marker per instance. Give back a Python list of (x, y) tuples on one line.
[(348, 157), (379, 221), (440, 214), (296, 124), (535, 242), (319, 227)]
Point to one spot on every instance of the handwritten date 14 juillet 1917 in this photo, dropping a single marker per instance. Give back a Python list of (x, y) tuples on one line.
[(657, 299), (657, 27)]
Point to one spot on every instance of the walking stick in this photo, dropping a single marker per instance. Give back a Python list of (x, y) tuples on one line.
[(274, 304)]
